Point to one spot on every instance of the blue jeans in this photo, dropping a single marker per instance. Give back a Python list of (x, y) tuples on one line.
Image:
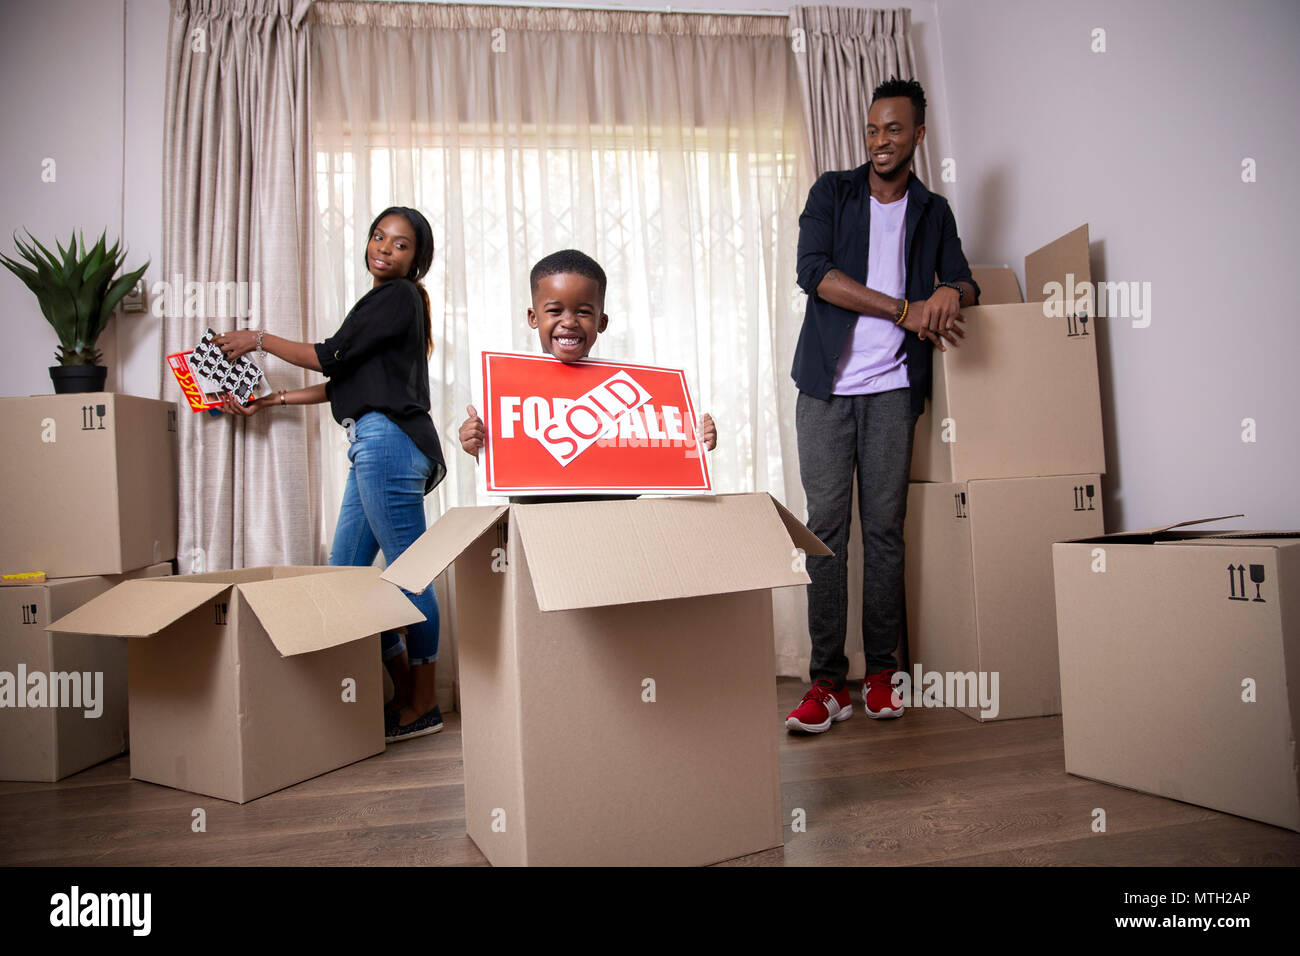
[(383, 507)]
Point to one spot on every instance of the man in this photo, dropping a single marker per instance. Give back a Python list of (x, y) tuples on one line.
[(871, 242)]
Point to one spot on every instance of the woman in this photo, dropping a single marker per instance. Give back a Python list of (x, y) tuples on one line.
[(377, 365)]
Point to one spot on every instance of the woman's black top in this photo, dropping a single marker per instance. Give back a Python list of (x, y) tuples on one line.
[(376, 363)]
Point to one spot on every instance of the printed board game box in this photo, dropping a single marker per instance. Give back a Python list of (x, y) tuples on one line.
[(617, 674), (205, 375), (62, 696), (90, 483), (245, 682)]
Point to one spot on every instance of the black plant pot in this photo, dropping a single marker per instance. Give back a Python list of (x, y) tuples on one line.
[(78, 378)]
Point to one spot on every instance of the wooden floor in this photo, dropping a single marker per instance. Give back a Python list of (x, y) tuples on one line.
[(932, 788)]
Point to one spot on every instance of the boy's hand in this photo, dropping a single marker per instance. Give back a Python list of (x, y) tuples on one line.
[(472, 435), (708, 432)]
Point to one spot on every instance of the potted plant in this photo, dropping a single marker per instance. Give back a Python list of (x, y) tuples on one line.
[(77, 295)]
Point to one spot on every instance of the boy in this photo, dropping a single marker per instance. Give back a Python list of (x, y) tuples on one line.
[(568, 313)]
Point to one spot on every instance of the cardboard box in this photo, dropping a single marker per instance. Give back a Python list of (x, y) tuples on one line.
[(1064, 260), (979, 587), (244, 682), (998, 285), (1180, 665), (617, 674), (80, 713), (1020, 397), (90, 483)]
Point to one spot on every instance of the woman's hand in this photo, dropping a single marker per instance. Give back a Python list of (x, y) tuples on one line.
[(472, 435), (236, 343), (230, 406), (708, 432)]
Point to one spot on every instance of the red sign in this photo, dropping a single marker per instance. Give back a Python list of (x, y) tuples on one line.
[(588, 428)]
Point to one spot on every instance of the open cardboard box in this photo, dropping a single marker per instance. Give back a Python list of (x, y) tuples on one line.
[(979, 586), (617, 675), (90, 483), (1020, 397), (245, 682), (1180, 665), (87, 723)]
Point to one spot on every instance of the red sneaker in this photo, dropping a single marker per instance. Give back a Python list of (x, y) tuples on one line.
[(820, 707), (879, 697)]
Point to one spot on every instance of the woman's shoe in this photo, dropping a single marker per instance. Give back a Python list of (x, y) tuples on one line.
[(429, 723)]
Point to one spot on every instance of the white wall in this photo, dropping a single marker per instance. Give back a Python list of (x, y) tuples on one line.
[(1145, 143), (83, 82)]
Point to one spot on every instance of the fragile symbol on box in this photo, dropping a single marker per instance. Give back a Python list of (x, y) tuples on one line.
[(579, 425), (1082, 491), (959, 499), (88, 413), (1239, 573)]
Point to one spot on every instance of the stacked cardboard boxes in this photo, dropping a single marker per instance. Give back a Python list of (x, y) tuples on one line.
[(89, 500), (238, 682), (1007, 460)]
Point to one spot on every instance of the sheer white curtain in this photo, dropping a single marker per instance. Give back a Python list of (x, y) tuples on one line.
[(666, 146)]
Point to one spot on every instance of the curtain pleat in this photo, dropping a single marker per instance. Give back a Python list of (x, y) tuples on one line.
[(237, 212), (849, 52)]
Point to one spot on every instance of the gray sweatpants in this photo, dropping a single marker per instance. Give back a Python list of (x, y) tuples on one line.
[(871, 434)]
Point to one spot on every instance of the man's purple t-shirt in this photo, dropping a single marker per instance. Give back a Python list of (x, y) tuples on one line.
[(873, 360)]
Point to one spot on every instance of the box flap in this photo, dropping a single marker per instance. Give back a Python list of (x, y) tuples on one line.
[(998, 284), (139, 608), (435, 550), (799, 533), (1170, 527), (312, 612), (1153, 532), (1259, 539), (599, 553), (1052, 263)]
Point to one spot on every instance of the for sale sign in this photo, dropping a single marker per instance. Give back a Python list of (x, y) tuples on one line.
[(588, 428)]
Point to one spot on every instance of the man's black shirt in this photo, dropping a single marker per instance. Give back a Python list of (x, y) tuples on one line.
[(833, 233)]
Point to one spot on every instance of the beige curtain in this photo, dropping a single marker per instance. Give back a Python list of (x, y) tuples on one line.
[(666, 146), (846, 53), (236, 209)]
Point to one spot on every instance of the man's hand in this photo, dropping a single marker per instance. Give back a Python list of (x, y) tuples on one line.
[(472, 435), (937, 318), (230, 406), (708, 432), (237, 343)]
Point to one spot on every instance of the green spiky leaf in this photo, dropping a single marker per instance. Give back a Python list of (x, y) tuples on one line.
[(76, 290)]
